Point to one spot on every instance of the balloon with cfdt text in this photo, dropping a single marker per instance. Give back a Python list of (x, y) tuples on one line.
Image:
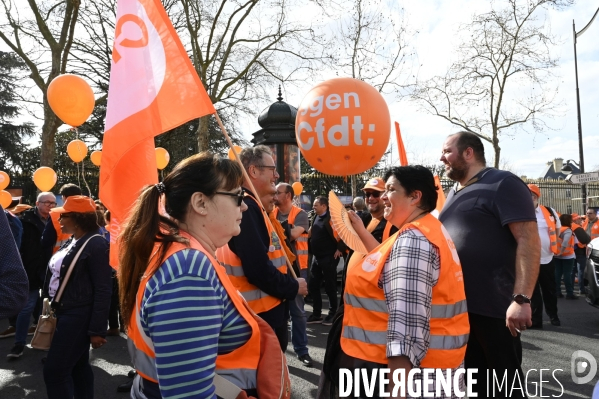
[(343, 126)]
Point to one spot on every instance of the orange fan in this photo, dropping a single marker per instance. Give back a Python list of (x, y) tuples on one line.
[(343, 225)]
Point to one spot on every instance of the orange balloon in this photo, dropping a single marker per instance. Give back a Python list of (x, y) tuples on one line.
[(71, 98), (297, 188), (96, 157), (5, 199), (162, 158), (44, 178), (237, 150), (343, 126), (77, 150), (4, 180)]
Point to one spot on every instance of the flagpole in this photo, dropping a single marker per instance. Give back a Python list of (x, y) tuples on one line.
[(247, 178)]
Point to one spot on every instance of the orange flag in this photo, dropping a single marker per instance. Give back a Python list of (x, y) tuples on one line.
[(440, 195), (403, 157), (153, 88)]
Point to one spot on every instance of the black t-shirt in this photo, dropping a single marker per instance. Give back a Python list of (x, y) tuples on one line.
[(379, 230), (477, 219)]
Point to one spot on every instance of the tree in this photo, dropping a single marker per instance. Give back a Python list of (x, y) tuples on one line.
[(43, 41), (373, 48), (240, 48), (12, 135), (503, 75)]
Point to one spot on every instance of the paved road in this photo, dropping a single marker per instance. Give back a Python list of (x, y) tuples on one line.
[(550, 348)]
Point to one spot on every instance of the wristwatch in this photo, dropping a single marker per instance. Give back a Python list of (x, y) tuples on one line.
[(520, 299)]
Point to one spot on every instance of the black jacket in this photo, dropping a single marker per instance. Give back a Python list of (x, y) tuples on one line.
[(90, 283), (315, 235), (30, 250)]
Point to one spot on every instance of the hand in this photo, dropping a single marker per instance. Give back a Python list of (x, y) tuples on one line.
[(337, 254), (303, 287), (518, 318), (355, 220), (97, 341)]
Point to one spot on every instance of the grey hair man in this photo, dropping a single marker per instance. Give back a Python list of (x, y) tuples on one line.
[(257, 249), (34, 221)]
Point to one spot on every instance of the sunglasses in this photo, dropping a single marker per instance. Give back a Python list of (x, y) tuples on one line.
[(239, 195), (64, 216), (374, 194)]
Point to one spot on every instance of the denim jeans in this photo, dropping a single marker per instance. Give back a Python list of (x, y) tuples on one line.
[(299, 336), (67, 372), (563, 267), (24, 318)]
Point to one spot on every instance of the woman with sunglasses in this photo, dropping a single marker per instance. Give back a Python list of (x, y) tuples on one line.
[(82, 309), (187, 325)]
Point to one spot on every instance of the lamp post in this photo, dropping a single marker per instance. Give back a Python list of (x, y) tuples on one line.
[(580, 146)]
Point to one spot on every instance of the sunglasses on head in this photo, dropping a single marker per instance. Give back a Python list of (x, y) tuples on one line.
[(374, 194)]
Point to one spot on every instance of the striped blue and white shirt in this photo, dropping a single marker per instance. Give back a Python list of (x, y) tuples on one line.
[(190, 318)]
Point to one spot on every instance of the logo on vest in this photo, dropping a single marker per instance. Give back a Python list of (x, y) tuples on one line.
[(276, 242), (369, 263)]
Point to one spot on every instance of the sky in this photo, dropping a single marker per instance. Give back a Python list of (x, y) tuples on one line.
[(437, 22)]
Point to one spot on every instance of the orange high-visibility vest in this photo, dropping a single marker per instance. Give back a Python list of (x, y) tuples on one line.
[(301, 244), (238, 366), (594, 230), (366, 318), (358, 257), (552, 231), (61, 238), (574, 227), (570, 248), (258, 300)]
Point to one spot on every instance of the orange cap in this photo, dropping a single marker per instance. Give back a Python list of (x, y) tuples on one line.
[(376, 183), (535, 190), (575, 216), (78, 204)]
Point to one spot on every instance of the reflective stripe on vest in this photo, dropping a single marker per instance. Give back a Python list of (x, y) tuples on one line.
[(552, 231), (570, 248), (61, 238), (594, 229), (257, 299), (238, 366), (301, 244), (366, 318)]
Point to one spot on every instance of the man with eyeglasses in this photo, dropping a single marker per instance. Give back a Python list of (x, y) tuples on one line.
[(262, 279), (34, 221), (296, 221), (375, 222)]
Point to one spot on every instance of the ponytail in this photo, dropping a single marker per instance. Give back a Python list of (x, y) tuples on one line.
[(142, 230)]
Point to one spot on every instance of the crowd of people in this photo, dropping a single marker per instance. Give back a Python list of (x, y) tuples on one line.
[(217, 257)]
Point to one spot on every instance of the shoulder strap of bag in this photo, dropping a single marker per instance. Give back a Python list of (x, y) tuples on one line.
[(550, 210), (68, 275)]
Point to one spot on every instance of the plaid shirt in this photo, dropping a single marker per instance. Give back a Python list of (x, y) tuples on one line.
[(408, 278)]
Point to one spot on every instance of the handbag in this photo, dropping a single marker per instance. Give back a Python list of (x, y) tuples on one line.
[(272, 374), (46, 324)]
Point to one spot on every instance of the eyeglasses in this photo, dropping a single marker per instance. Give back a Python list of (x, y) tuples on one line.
[(374, 194), (273, 168), (51, 203), (239, 195), (64, 215)]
